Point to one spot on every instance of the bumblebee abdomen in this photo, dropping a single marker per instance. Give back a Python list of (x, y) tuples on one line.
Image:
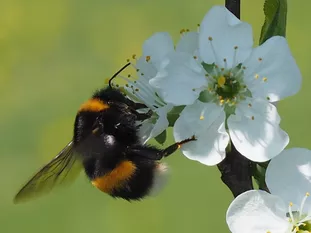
[(132, 180)]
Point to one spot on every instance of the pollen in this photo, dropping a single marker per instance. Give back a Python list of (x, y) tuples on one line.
[(265, 79), (221, 81), (307, 194), (291, 204), (256, 76), (134, 56), (148, 58), (178, 146), (221, 101), (268, 231), (201, 117), (253, 118), (210, 38)]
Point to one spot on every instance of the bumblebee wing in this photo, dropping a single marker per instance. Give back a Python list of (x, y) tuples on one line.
[(63, 169)]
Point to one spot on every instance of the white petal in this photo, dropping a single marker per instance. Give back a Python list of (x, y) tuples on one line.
[(149, 130), (146, 69), (179, 82), (257, 211), (145, 130), (226, 32), (255, 130), (162, 122), (212, 138), (272, 60), (157, 47), (289, 176), (188, 43)]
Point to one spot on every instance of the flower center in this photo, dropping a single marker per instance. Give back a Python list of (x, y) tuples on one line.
[(225, 85), (301, 221)]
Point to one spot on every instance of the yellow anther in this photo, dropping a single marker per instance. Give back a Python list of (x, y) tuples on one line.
[(250, 105), (233, 103), (136, 89), (148, 58), (128, 60), (227, 101), (244, 67), (182, 31), (195, 57), (291, 204), (201, 117), (225, 60), (129, 75), (178, 146), (222, 69), (107, 80), (259, 59), (127, 85), (256, 76), (221, 81), (307, 194), (134, 56), (187, 30), (268, 231), (253, 118), (297, 229), (220, 97), (137, 70), (268, 98), (209, 89), (210, 38), (236, 47), (265, 79), (221, 101), (198, 25)]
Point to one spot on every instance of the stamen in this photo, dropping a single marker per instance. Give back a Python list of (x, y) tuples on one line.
[(256, 76), (182, 31), (259, 59), (253, 118), (226, 65), (250, 105), (195, 57), (128, 60), (234, 57), (201, 117), (265, 79), (268, 98), (290, 211), (148, 58), (134, 56), (303, 203)]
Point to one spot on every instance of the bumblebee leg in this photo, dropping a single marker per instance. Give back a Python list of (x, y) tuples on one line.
[(156, 154), (172, 148)]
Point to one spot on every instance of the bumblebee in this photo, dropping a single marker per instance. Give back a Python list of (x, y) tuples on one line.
[(107, 146)]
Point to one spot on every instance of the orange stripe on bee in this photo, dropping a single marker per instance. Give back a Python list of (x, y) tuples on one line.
[(116, 178), (93, 105)]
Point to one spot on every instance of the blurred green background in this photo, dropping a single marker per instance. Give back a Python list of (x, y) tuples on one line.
[(53, 54)]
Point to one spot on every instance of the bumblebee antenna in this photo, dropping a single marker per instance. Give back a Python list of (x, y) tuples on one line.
[(116, 74)]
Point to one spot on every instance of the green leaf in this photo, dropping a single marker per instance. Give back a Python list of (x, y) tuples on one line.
[(161, 138), (275, 21)]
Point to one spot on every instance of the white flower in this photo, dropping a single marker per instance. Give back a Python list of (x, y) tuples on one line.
[(287, 208), (228, 74), (156, 49)]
